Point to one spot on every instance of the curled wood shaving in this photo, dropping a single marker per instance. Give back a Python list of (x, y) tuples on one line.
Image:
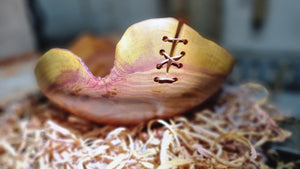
[(35, 134)]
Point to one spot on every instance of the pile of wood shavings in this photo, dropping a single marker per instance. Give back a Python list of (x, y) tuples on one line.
[(36, 134)]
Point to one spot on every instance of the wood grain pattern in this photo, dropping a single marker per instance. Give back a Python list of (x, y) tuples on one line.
[(129, 94)]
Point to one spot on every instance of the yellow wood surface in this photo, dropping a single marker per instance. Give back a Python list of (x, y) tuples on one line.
[(129, 94)]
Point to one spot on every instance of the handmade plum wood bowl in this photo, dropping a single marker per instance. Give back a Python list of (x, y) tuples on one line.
[(162, 67)]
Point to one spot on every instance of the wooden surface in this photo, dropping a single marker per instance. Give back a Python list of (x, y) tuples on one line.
[(137, 89)]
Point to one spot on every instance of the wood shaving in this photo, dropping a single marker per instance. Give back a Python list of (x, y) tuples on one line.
[(228, 134)]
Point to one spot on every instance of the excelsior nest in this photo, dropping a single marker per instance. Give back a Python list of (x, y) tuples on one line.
[(229, 134)]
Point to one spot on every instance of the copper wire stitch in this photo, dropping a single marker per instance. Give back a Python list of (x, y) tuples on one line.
[(170, 59)]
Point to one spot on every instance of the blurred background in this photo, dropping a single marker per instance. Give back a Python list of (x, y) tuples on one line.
[(262, 35)]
